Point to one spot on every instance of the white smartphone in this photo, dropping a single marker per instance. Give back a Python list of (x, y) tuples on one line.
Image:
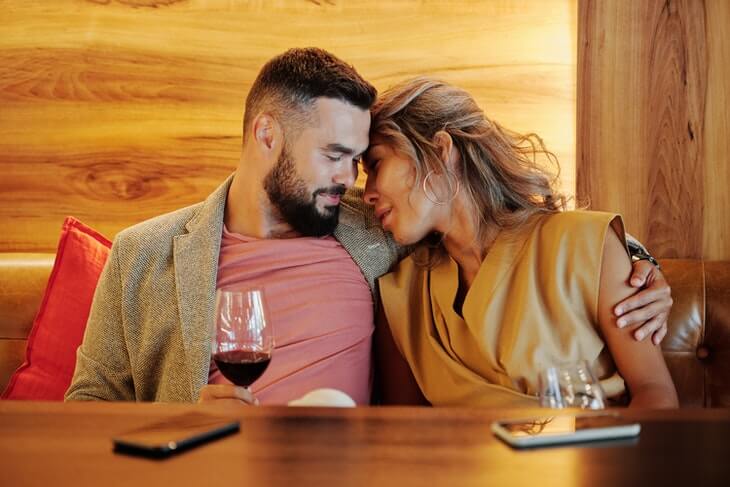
[(564, 428)]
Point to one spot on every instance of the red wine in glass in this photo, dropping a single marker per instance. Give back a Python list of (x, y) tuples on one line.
[(242, 336), (242, 367)]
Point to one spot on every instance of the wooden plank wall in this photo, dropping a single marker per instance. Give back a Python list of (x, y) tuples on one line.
[(654, 120), (118, 110)]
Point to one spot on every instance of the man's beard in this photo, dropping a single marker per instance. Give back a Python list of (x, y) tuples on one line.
[(288, 193)]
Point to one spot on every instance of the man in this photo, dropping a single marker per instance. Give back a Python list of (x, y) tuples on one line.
[(284, 222)]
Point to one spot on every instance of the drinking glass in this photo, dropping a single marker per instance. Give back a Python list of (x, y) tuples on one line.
[(242, 336), (571, 386)]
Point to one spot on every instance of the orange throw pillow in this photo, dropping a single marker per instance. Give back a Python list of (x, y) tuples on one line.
[(59, 326)]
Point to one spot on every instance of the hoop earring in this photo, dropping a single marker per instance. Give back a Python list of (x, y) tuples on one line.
[(432, 197)]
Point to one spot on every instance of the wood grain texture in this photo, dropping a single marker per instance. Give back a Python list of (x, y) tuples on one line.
[(674, 100), (117, 111), (653, 120), (44, 443), (717, 133)]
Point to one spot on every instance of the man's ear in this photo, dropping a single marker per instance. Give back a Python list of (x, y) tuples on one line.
[(266, 131), (446, 149)]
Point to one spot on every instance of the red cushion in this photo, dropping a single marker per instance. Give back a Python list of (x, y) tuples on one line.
[(59, 326)]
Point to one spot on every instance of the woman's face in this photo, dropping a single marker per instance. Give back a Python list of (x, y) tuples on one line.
[(402, 210)]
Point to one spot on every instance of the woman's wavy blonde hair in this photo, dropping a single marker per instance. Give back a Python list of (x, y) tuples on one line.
[(498, 168)]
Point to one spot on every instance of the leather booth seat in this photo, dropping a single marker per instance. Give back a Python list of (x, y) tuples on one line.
[(696, 348)]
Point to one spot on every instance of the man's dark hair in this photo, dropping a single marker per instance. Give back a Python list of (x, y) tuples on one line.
[(288, 85)]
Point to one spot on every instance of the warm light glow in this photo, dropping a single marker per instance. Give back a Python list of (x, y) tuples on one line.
[(117, 113), (521, 68)]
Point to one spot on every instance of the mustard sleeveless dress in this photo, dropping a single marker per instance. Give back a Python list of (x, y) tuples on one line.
[(533, 303)]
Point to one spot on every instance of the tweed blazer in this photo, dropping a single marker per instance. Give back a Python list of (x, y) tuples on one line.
[(147, 337)]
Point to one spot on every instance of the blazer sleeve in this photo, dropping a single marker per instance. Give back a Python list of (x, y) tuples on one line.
[(103, 371)]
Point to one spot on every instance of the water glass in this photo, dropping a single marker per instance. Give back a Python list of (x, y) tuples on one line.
[(571, 386)]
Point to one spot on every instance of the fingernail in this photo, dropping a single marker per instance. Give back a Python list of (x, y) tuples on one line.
[(639, 336), (619, 311), (621, 323), (636, 281)]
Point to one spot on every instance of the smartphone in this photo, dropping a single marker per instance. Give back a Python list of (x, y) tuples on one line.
[(173, 435), (561, 429)]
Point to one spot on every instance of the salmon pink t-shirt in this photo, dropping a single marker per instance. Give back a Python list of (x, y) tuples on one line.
[(321, 309)]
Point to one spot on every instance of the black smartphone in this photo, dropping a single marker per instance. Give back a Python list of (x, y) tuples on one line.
[(173, 435)]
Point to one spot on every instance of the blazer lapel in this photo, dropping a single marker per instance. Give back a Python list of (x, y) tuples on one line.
[(196, 270)]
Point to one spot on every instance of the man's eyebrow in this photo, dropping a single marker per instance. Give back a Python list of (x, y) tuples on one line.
[(343, 149)]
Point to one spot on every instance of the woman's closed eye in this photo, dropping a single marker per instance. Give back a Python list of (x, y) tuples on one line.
[(370, 166)]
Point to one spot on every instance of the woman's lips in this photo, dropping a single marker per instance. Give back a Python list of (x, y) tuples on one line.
[(384, 217)]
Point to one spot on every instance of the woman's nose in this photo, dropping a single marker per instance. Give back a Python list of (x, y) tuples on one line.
[(370, 196)]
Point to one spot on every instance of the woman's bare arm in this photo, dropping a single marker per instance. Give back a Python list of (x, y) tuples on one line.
[(641, 363)]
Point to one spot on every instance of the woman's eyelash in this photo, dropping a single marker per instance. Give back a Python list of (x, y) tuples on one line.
[(370, 166)]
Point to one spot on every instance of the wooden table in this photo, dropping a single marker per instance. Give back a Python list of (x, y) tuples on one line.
[(69, 444)]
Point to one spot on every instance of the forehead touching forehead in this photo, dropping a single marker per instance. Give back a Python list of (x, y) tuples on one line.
[(383, 147), (340, 125)]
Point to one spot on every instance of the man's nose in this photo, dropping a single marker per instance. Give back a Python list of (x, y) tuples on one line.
[(346, 175)]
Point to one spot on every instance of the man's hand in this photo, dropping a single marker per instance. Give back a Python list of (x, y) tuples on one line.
[(650, 306), (225, 393)]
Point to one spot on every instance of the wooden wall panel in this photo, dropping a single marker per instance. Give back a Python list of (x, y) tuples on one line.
[(716, 244), (653, 120), (116, 111)]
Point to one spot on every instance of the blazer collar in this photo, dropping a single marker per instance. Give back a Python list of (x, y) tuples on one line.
[(196, 269)]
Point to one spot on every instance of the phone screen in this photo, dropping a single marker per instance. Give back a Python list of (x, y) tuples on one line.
[(562, 425), (565, 428), (174, 434)]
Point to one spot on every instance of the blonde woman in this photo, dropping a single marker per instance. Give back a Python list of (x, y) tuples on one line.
[(503, 282)]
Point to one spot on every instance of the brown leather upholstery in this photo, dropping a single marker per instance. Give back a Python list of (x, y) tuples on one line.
[(716, 345), (697, 347), (23, 279)]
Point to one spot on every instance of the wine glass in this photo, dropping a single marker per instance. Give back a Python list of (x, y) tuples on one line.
[(242, 336), (571, 386)]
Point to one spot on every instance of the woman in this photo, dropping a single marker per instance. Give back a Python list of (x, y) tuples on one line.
[(503, 281)]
